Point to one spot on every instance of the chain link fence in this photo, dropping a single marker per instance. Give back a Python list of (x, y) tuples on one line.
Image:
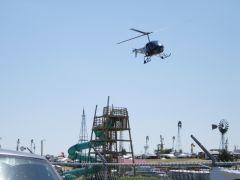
[(122, 171)]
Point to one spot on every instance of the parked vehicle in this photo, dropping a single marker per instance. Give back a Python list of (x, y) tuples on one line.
[(15, 165)]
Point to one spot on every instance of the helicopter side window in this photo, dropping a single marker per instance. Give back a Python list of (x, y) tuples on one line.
[(149, 46)]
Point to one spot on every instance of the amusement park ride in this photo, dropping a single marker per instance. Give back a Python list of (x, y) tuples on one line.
[(150, 49)]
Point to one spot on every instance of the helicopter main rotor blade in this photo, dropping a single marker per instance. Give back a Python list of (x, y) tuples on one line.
[(145, 33), (131, 38)]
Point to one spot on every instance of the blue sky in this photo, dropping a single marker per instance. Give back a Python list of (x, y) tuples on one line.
[(58, 57)]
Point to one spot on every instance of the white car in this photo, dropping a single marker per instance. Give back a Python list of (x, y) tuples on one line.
[(15, 165)]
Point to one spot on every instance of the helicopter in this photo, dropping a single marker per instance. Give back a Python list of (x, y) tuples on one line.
[(150, 49)]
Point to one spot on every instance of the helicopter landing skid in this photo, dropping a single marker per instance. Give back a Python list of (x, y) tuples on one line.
[(163, 56), (146, 59)]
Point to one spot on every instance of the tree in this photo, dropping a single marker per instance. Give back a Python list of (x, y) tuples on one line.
[(225, 156)]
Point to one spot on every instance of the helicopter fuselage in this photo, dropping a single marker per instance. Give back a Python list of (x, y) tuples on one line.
[(153, 48)]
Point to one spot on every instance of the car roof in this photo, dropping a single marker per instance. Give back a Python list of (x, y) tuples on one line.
[(19, 154)]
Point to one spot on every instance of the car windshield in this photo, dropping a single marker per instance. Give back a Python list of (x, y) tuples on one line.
[(25, 168)]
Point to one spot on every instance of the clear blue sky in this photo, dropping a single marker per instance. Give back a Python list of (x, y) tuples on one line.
[(58, 57)]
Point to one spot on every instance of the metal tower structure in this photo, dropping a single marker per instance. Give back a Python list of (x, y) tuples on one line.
[(106, 136), (146, 147), (192, 146), (83, 136), (18, 144), (173, 145), (226, 144), (161, 143), (223, 127), (121, 147), (32, 146), (179, 137)]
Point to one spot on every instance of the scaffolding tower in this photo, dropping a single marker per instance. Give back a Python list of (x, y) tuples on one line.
[(107, 134)]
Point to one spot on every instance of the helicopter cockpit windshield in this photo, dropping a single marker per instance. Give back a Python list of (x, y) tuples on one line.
[(156, 43)]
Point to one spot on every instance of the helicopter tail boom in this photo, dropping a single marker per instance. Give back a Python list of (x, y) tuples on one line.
[(140, 50), (135, 52)]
